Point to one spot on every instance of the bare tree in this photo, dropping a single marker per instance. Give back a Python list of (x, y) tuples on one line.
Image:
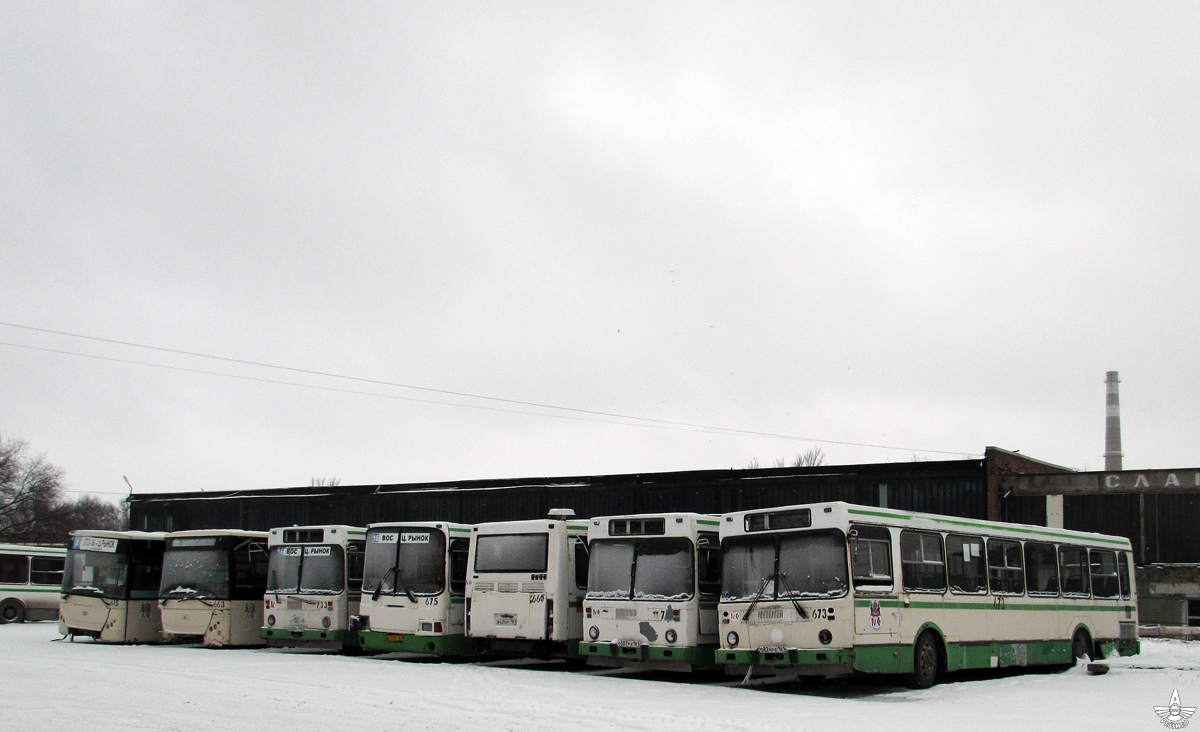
[(325, 482), (30, 488), (812, 458), (32, 507)]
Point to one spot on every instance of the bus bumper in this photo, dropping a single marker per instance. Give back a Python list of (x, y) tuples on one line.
[(698, 656), (306, 636), (829, 661), (436, 645)]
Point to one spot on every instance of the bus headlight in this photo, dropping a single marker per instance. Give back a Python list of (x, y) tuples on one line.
[(825, 637), (325, 622), (593, 632), (670, 635), (270, 620), (732, 639)]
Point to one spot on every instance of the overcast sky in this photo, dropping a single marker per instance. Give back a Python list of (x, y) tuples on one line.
[(911, 231)]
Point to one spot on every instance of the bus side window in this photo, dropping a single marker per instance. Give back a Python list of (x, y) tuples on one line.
[(46, 570), (14, 569), (581, 564), (1123, 570), (1041, 568), (708, 564), (968, 573), (1005, 573), (1104, 574), (355, 557), (1072, 563), (458, 565), (250, 570), (871, 558), (921, 561)]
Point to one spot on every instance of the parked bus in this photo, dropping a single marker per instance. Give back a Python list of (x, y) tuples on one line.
[(833, 588), (110, 586), (526, 585), (652, 591), (30, 582), (414, 584), (213, 581), (314, 584)]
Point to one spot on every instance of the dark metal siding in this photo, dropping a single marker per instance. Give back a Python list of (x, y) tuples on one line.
[(955, 488), (1170, 521)]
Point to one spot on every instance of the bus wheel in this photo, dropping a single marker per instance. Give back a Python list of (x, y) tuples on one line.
[(12, 611), (926, 662), (1081, 646)]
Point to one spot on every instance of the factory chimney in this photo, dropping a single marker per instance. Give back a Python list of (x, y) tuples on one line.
[(1112, 424)]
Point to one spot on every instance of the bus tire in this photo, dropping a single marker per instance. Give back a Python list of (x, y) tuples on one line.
[(927, 662), (1081, 645), (12, 611)]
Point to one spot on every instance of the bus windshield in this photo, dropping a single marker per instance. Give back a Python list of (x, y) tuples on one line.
[(314, 570), (195, 573), (524, 553), (402, 559), (808, 565), (658, 568), (99, 574)]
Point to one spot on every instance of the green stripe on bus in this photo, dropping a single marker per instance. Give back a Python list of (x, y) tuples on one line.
[(992, 606), (577, 528), (988, 527), (461, 531), (24, 588), (706, 522), (357, 533)]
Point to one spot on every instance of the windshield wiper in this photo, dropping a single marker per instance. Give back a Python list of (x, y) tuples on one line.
[(379, 589), (787, 587), (400, 580), (757, 596)]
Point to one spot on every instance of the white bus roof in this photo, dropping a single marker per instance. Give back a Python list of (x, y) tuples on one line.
[(423, 524), (734, 523), (28, 549), (529, 526), (676, 523), (218, 532), (134, 535)]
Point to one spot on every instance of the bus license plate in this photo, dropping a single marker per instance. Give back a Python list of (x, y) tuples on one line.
[(395, 638), (772, 649), (506, 619), (629, 644)]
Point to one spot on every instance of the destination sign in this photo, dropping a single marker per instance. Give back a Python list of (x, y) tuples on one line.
[(96, 544)]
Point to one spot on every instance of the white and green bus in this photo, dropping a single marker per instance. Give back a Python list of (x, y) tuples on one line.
[(314, 584), (30, 582), (525, 586), (110, 586), (653, 587), (833, 588), (414, 586), (212, 587)]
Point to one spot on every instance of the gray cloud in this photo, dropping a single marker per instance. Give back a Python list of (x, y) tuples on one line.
[(934, 227)]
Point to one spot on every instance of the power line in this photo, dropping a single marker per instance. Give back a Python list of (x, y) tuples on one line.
[(645, 421)]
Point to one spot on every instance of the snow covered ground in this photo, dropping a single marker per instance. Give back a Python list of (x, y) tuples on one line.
[(46, 685)]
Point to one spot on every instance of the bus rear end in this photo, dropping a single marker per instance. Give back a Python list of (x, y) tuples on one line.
[(524, 592)]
